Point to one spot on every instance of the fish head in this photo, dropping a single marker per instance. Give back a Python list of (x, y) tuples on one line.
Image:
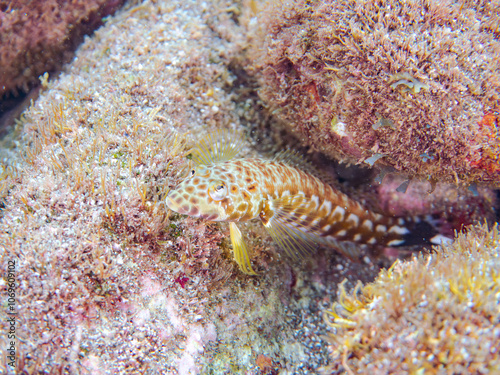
[(213, 193)]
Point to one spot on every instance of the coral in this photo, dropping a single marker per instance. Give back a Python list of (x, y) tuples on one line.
[(410, 81), (38, 36), (437, 313)]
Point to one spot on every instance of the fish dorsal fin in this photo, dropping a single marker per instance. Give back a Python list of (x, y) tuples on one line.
[(282, 220), (220, 146), (295, 159), (240, 250)]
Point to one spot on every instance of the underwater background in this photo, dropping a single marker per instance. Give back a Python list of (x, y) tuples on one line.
[(395, 103)]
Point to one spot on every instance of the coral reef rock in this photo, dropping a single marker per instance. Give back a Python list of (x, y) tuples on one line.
[(105, 279), (437, 313), (37, 36), (412, 85), (101, 277)]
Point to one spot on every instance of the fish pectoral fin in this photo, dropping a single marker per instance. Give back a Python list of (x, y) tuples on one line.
[(296, 243), (220, 146), (292, 209), (240, 250), (282, 219)]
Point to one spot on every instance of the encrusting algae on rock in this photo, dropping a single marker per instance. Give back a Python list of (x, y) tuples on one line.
[(298, 210), (101, 267), (428, 68)]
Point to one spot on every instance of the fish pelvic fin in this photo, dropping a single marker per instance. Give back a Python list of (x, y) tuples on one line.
[(240, 250), (220, 146)]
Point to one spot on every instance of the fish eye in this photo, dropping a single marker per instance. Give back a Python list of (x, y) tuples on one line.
[(217, 191), (192, 172)]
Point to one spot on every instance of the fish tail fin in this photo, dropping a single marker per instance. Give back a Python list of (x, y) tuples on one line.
[(424, 230)]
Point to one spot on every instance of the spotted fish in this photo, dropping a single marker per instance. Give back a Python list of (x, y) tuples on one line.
[(298, 209)]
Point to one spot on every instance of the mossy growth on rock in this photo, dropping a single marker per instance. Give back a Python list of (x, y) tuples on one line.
[(39, 36), (438, 313), (408, 81)]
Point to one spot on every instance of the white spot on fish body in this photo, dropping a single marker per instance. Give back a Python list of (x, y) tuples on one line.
[(315, 222), (439, 239), (339, 210), (341, 233), (372, 241), (315, 200), (395, 242), (328, 206), (398, 230), (368, 224), (357, 237), (381, 228), (353, 219)]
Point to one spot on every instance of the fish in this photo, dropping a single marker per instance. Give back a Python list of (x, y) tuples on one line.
[(297, 207)]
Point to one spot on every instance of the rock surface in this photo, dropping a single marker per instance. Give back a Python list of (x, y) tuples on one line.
[(413, 86)]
